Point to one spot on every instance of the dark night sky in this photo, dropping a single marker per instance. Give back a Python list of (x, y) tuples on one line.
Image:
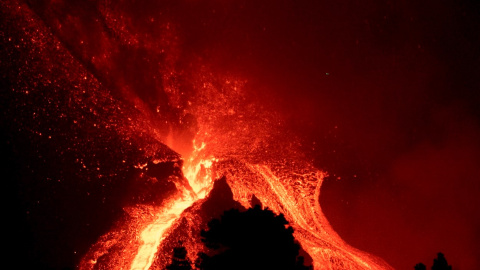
[(384, 95)]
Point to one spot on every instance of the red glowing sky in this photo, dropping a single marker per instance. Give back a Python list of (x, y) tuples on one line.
[(383, 95)]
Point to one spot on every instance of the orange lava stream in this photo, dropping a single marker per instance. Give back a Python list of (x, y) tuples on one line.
[(312, 230), (154, 233), (134, 244), (199, 178)]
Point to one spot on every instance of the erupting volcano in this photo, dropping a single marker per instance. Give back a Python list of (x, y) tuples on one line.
[(215, 127), (243, 146), (125, 118)]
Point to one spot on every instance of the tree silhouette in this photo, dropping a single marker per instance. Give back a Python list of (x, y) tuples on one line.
[(420, 266), (440, 263), (253, 239), (180, 260)]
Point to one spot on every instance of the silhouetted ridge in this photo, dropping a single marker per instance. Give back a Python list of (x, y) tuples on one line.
[(219, 200), (440, 263)]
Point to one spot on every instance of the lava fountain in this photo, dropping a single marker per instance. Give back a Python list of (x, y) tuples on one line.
[(258, 158)]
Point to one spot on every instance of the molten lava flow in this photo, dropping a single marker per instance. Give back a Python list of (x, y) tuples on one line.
[(135, 242), (295, 195), (197, 171), (153, 234)]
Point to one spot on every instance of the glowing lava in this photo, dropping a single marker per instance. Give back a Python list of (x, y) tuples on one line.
[(234, 137), (257, 159), (199, 178)]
